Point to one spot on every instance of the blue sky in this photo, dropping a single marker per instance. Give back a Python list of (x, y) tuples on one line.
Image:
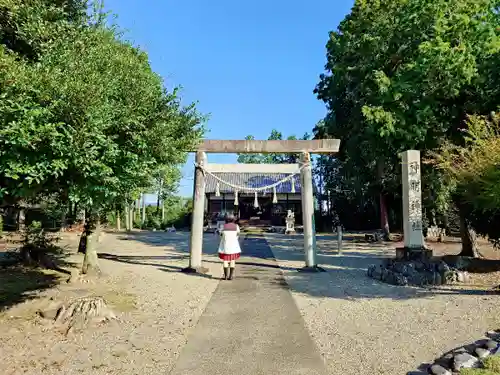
[(251, 64)]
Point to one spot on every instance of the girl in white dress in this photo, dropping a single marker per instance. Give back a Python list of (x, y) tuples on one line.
[(229, 247)]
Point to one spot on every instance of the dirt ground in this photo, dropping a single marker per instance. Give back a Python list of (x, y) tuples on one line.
[(156, 305)]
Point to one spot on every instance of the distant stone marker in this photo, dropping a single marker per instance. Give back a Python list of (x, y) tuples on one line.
[(412, 201)]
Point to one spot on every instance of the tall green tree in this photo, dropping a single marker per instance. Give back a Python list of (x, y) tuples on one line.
[(87, 116), (403, 75)]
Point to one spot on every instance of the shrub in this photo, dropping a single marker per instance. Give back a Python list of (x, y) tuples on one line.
[(472, 170), (37, 243), (153, 222)]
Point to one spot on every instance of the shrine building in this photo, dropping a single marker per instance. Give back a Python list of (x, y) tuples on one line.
[(225, 194)]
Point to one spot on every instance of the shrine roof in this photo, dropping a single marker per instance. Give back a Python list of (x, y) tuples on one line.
[(252, 180)]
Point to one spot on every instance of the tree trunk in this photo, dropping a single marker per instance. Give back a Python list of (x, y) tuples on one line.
[(71, 215), (384, 217), (63, 221), (446, 225), (26, 256), (131, 217), (75, 213), (470, 247), (98, 231), (64, 215), (82, 245), (162, 211), (21, 219), (91, 260), (118, 221), (143, 216), (127, 217)]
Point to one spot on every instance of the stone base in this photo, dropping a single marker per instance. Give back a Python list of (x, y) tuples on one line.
[(418, 269), (410, 253), (313, 269), (195, 270)]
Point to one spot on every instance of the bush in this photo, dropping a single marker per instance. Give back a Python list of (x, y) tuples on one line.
[(472, 170), (35, 237), (153, 222), (37, 243)]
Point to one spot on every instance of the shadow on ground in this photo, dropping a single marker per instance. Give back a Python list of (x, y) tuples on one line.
[(345, 277), (176, 246), (19, 284)]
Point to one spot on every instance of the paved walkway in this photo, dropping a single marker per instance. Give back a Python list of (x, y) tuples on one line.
[(251, 325)]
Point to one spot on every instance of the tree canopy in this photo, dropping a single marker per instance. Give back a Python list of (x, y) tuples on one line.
[(404, 75), (271, 158), (89, 115), (81, 111)]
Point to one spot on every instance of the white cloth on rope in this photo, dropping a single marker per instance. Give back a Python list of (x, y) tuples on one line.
[(250, 189)]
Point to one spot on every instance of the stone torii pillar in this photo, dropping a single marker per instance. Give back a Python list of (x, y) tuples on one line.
[(318, 146), (198, 217), (307, 200)]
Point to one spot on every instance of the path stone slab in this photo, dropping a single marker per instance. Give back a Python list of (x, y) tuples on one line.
[(251, 325)]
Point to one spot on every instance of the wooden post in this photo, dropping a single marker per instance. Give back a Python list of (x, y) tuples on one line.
[(308, 212), (196, 240)]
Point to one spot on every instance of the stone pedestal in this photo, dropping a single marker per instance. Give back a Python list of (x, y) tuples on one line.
[(408, 254)]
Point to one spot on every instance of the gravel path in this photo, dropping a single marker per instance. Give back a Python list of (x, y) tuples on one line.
[(252, 325), (144, 271), (365, 327)]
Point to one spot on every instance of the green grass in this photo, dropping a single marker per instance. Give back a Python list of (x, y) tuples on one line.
[(491, 367)]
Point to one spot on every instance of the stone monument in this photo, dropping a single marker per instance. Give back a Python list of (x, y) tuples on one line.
[(290, 222), (412, 207)]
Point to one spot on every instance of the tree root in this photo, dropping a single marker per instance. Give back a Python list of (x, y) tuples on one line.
[(80, 313)]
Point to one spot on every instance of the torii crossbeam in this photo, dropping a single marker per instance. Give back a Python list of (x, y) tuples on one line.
[(304, 147)]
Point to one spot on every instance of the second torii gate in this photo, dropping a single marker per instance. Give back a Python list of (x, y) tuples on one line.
[(305, 148)]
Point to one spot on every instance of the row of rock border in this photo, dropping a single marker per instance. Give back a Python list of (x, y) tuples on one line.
[(418, 272), (468, 356)]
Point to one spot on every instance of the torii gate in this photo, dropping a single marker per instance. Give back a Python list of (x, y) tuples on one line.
[(303, 147)]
